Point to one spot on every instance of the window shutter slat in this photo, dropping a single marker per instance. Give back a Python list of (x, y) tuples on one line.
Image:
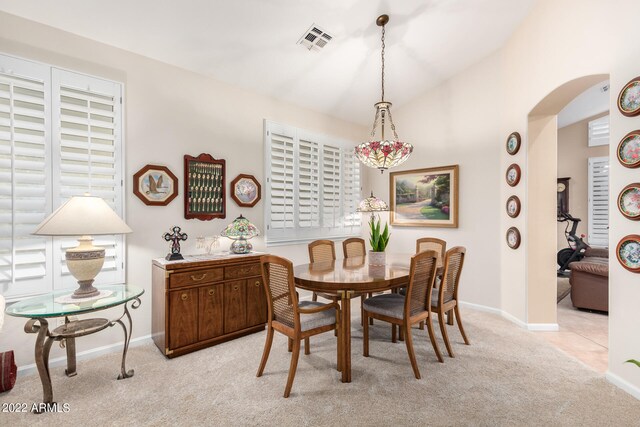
[(598, 181)]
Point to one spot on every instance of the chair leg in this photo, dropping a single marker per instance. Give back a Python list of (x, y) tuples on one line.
[(409, 342), (265, 352), (335, 332), (459, 320), (290, 345), (307, 346), (434, 343), (339, 343), (401, 334), (314, 297), (293, 367), (393, 333), (365, 335), (370, 294), (421, 327), (443, 329), (362, 310), (450, 317)]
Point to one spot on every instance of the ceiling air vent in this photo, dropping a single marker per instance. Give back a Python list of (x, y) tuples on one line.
[(314, 38)]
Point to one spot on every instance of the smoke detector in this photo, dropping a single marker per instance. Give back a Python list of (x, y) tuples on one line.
[(314, 38)]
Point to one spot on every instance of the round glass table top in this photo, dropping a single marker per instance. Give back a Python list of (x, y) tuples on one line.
[(46, 305)]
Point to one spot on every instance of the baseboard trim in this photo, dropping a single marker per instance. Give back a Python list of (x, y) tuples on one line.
[(512, 318), (623, 384), (87, 354)]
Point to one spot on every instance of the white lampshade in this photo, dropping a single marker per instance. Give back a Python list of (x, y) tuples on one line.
[(82, 215)]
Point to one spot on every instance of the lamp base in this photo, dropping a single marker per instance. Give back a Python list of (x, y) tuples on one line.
[(241, 246), (85, 262)]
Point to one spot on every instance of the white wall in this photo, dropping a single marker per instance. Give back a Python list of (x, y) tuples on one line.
[(169, 112), (466, 121)]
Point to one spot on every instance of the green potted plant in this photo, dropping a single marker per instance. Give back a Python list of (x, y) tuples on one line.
[(378, 240)]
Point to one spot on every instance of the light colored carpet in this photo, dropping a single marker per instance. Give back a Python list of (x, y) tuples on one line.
[(507, 377), (564, 288)]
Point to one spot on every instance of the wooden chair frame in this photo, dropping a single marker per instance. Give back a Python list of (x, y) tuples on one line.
[(311, 247), (408, 320), (295, 334)]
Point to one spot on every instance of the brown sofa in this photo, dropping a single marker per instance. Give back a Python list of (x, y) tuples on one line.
[(590, 280)]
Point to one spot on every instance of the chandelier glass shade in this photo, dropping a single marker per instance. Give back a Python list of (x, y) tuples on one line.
[(382, 153), (372, 204)]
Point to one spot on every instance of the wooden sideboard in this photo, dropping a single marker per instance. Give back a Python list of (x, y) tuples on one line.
[(201, 301)]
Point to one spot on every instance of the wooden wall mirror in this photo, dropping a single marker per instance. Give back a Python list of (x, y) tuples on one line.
[(204, 187)]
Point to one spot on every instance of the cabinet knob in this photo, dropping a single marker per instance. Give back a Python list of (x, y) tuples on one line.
[(257, 283), (198, 278), (184, 297), (235, 288), (211, 292)]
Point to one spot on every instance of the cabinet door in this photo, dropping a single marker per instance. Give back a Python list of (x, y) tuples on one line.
[(235, 306), (256, 302), (183, 318), (210, 312)]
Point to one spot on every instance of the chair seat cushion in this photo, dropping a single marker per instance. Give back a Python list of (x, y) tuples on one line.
[(316, 320), (391, 305)]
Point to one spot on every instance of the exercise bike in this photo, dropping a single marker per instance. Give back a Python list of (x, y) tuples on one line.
[(577, 246)]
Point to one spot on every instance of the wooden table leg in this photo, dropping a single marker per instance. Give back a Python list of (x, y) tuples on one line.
[(345, 300)]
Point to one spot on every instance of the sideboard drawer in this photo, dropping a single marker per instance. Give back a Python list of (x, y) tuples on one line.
[(177, 280), (239, 271)]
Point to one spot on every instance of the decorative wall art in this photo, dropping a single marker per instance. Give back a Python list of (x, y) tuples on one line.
[(629, 201), (513, 175), (513, 238), (155, 185), (629, 150), (513, 206), (629, 98), (628, 252), (425, 197), (204, 187), (245, 190), (513, 143)]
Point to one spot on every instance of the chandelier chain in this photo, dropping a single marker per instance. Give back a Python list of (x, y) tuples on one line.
[(392, 125), (382, 58)]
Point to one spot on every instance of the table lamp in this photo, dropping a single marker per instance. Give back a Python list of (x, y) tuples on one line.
[(239, 231), (83, 216), (372, 204)]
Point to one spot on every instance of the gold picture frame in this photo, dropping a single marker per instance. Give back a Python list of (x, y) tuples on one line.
[(425, 197)]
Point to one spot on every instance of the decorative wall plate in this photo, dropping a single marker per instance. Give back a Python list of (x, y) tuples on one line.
[(629, 98), (513, 175), (629, 201), (628, 252), (245, 190), (629, 150), (513, 238), (155, 185), (513, 143), (513, 206)]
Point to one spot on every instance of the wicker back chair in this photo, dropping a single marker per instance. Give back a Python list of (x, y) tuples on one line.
[(432, 244), (405, 311), (354, 247), (322, 251), (298, 321), (446, 300)]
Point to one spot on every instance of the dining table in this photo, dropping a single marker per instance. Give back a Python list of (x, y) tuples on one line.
[(348, 278)]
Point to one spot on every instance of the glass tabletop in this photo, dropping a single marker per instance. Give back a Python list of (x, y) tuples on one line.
[(46, 305)]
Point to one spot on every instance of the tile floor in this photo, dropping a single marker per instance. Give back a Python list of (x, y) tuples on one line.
[(582, 334)]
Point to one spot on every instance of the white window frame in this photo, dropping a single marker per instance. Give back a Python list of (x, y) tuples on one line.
[(350, 222), (57, 275)]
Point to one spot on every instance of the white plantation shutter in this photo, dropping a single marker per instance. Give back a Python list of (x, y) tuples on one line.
[(313, 186), (60, 135), (25, 190), (87, 159), (598, 201), (599, 131)]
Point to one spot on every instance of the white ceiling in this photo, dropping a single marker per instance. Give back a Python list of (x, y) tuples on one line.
[(592, 101), (253, 43)]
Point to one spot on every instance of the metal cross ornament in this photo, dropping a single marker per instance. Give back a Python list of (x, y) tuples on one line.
[(175, 239)]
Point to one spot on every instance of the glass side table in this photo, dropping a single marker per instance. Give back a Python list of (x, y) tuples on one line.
[(49, 305)]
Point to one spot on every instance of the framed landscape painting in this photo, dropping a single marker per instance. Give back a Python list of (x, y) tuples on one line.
[(425, 197)]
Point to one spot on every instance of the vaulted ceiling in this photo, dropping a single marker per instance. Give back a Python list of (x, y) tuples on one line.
[(254, 43)]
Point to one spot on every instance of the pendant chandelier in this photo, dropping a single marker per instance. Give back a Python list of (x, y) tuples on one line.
[(383, 153)]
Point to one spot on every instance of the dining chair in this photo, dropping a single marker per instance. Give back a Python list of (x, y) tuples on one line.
[(440, 246), (297, 320), (322, 251), (405, 311), (446, 300), (351, 248)]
